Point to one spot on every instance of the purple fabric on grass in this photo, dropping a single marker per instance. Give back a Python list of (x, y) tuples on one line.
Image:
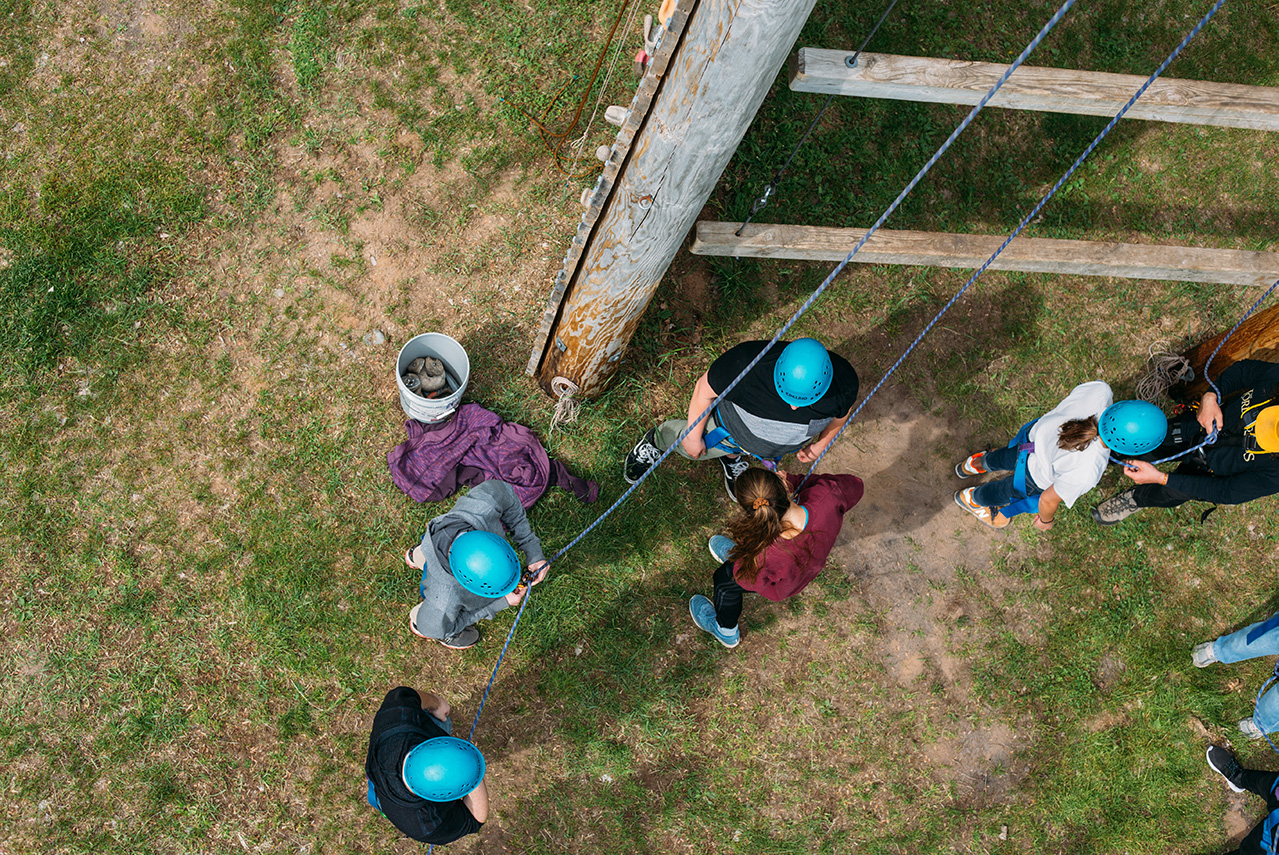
[(473, 446)]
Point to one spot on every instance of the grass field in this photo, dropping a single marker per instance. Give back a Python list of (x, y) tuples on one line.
[(206, 208)]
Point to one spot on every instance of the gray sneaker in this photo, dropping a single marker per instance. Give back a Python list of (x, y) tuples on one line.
[(1203, 656), (468, 637), (1117, 508), (1249, 728)]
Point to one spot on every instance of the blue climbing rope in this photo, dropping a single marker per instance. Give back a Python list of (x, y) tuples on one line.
[(1256, 705), (1034, 43), (1025, 220), (1212, 437)]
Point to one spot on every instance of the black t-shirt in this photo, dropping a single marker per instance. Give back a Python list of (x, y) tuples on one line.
[(427, 821), (759, 421)]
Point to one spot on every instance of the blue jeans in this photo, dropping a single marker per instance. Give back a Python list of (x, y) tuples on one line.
[(1236, 647), (997, 494)]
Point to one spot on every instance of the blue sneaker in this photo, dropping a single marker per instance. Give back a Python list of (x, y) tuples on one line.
[(703, 613), (720, 546)]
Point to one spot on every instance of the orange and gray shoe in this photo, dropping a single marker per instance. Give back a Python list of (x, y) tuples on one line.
[(971, 465), (964, 498)]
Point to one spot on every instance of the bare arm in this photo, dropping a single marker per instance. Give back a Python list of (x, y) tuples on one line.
[(477, 802), (1049, 501), (1144, 473), (703, 395), (810, 452), (435, 705)]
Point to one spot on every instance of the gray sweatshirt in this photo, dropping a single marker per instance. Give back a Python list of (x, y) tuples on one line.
[(447, 607)]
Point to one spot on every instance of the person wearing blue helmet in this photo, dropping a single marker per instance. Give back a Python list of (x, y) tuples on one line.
[(1052, 461), (1242, 465), (794, 400), (469, 571), (406, 790)]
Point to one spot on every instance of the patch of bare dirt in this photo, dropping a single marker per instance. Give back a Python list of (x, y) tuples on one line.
[(923, 566)]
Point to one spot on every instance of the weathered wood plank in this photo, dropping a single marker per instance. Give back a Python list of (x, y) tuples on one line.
[(718, 76), (641, 103), (1054, 90), (1032, 255)]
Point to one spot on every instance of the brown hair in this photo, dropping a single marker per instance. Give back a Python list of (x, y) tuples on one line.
[(1077, 434), (761, 495)]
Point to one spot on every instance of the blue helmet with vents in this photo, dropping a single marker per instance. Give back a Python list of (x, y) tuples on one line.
[(803, 372), (1132, 427), (443, 769), (484, 564)]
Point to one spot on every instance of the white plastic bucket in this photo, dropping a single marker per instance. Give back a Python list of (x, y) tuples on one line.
[(457, 371)]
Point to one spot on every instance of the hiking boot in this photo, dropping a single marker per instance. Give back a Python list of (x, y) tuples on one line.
[(720, 546), (734, 468), (1224, 764), (1249, 728), (642, 457), (1117, 508), (703, 612), (1202, 655), (971, 465), (964, 498)]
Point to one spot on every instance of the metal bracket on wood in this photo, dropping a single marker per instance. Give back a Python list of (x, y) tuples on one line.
[(667, 41)]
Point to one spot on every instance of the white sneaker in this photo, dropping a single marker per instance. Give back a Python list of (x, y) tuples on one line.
[(1202, 655)]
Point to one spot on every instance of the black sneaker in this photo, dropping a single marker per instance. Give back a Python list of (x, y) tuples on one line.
[(642, 457), (734, 468), (1224, 764), (1117, 508)]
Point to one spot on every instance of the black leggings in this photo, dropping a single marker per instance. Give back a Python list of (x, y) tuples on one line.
[(1263, 784), (727, 596)]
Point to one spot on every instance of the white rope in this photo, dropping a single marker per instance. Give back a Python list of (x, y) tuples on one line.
[(1167, 368), (578, 144), (566, 408)]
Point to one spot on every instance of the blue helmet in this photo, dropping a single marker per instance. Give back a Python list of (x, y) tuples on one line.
[(484, 563), (443, 769), (803, 372), (1132, 427)]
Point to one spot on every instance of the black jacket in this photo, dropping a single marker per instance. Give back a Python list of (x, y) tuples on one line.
[(1239, 471)]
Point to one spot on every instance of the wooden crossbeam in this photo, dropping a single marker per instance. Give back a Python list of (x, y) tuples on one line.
[(1053, 90), (1032, 255)]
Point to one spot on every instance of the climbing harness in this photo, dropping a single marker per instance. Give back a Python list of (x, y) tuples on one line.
[(1034, 43), (1021, 58), (1027, 503), (1212, 437), (720, 438), (1034, 212)]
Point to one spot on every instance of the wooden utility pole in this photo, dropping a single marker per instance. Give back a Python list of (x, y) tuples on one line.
[(722, 58)]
